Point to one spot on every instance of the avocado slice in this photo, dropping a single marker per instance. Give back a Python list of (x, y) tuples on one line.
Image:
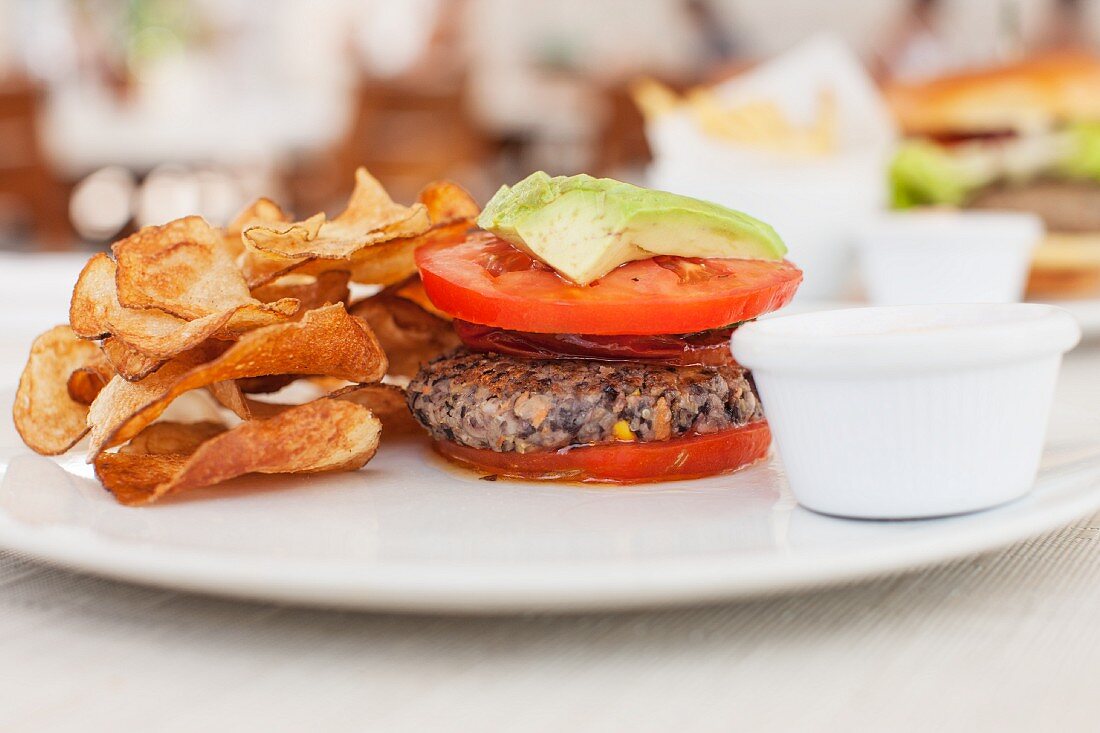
[(584, 227)]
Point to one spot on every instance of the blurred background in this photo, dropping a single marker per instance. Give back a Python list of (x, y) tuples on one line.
[(115, 114)]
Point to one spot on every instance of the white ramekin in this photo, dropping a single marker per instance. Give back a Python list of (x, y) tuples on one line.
[(908, 411), (947, 256)]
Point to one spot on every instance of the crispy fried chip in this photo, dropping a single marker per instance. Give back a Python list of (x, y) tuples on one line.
[(96, 313), (452, 212), (260, 210), (380, 259), (121, 398), (323, 435), (312, 291), (413, 289), (47, 418), (266, 385), (132, 477), (85, 383), (189, 310), (129, 363), (182, 268), (229, 395), (172, 438), (409, 335), (448, 202), (386, 401), (261, 266), (392, 262), (371, 216), (327, 341)]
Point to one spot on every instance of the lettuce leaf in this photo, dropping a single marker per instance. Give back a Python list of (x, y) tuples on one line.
[(924, 174), (1082, 159)]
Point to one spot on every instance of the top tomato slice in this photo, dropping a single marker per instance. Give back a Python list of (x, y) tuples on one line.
[(486, 280)]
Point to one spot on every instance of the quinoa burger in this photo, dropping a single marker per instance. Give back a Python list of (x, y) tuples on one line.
[(1018, 137), (596, 318)]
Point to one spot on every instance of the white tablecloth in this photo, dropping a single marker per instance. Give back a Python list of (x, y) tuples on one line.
[(1007, 641)]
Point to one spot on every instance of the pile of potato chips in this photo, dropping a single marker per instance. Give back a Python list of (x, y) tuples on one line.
[(237, 312), (758, 123)]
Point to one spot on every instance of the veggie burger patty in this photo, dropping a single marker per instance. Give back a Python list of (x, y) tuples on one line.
[(501, 403)]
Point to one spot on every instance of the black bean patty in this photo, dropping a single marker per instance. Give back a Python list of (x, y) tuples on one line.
[(502, 403)]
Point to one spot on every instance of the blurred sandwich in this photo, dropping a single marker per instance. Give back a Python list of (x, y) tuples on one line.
[(1019, 137)]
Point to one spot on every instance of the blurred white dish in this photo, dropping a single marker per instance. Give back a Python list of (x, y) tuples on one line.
[(1085, 312), (816, 203), (947, 256), (914, 411), (816, 206)]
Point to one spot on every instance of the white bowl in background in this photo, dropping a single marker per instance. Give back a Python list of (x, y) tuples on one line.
[(909, 411), (816, 206), (947, 256)]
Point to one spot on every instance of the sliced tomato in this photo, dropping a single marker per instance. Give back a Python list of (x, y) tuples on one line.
[(488, 281), (708, 348), (625, 463)]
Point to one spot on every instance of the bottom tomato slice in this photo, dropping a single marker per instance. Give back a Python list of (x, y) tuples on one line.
[(626, 463)]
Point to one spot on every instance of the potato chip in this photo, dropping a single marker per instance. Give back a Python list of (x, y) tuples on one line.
[(447, 203), (327, 341), (389, 260), (128, 362), (413, 289), (183, 269), (323, 435), (327, 384), (261, 266), (85, 383), (824, 132), (409, 335), (229, 395), (653, 98), (266, 385), (370, 217), (452, 212), (121, 398), (388, 403), (130, 477), (96, 313), (394, 261), (312, 291), (172, 438), (47, 418), (188, 310), (763, 124), (260, 210)]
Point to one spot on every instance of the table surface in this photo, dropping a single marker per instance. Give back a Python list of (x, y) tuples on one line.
[(1004, 641)]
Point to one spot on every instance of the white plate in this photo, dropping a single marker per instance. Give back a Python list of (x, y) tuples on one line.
[(411, 533)]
